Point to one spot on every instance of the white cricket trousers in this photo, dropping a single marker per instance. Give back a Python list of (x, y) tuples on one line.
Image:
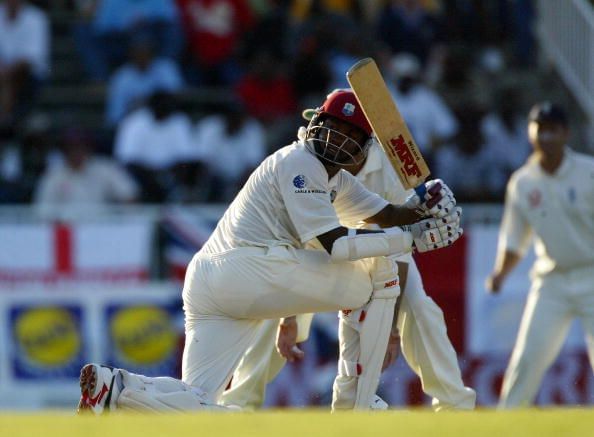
[(427, 349), (227, 295), (424, 343), (553, 303)]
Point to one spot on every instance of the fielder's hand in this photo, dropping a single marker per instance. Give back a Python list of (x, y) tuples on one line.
[(494, 282), (435, 233), (286, 340), (439, 200)]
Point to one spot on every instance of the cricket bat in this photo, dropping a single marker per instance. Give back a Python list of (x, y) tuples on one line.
[(387, 123)]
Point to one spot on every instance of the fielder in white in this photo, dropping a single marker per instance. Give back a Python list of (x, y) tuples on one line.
[(421, 327), (255, 267), (551, 198)]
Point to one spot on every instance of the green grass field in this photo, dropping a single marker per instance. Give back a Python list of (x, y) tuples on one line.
[(306, 423)]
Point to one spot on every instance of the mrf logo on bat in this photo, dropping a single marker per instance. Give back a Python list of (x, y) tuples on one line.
[(404, 152)]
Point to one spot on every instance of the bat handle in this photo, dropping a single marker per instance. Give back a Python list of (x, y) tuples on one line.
[(421, 190)]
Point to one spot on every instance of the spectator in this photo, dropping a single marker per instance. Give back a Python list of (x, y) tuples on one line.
[(266, 90), (352, 47), (273, 31), (231, 145), (24, 57), (84, 183), (10, 190), (105, 27), (471, 167), (152, 141), (429, 118), (24, 161), (459, 83), (475, 23), (311, 74), (505, 128), (139, 78), (406, 26), (93, 54), (304, 9), (214, 30), (523, 16), (326, 21)]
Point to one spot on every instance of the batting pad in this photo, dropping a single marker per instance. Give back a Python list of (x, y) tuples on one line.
[(363, 339), (161, 395)]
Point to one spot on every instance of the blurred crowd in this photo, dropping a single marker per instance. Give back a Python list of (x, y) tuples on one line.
[(446, 63)]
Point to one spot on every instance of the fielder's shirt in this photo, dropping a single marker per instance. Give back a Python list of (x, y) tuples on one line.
[(557, 209)]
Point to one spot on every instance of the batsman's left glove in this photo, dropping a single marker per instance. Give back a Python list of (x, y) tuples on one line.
[(436, 233)]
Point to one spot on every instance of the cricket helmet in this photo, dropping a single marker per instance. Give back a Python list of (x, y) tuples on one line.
[(340, 104), (548, 112)]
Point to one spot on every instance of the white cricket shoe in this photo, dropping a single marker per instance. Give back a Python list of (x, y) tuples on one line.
[(378, 403), (98, 388)]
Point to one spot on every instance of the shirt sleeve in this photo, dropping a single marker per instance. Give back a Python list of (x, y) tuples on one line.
[(515, 232), (303, 184), (35, 46), (121, 185), (168, 75), (117, 96), (128, 140), (353, 201), (255, 144), (46, 197), (444, 123)]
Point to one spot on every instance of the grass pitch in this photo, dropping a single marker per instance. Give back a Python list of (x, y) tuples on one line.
[(306, 423)]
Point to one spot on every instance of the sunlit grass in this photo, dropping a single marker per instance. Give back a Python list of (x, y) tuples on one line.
[(306, 423)]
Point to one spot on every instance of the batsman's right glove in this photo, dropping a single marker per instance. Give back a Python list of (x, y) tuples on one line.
[(439, 200), (435, 233)]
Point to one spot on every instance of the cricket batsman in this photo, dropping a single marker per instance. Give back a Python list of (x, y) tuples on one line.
[(420, 330), (255, 266)]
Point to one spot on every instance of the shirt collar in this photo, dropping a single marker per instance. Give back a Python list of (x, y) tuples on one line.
[(373, 161), (563, 169)]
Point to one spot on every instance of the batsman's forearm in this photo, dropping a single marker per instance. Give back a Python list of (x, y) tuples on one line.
[(393, 215)]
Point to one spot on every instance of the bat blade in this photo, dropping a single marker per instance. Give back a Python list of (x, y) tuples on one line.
[(387, 123)]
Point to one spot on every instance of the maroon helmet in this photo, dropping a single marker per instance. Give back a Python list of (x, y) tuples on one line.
[(343, 105)]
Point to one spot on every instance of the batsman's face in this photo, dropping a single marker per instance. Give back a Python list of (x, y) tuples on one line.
[(340, 142), (548, 138)]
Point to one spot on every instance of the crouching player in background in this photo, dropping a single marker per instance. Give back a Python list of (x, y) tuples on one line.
[(255, 267)]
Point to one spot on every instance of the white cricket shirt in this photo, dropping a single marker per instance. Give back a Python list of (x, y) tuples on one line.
[(26, 38), (63, 190), (558, 210), (379, 177), (229, 155), (288, 201), (156, 144)]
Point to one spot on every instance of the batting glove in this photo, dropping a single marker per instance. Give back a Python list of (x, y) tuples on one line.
[(439, 200), (435, 233)]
